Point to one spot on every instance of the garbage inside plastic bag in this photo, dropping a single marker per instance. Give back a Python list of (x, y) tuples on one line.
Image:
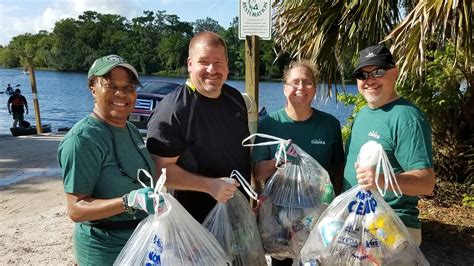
[(171, 237), (360, 228), (235, 227), (292, 199)]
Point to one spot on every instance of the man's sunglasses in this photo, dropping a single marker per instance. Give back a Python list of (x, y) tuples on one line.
[(377, 73)]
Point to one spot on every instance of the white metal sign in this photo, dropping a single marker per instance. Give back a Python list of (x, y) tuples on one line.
[(255, 18)]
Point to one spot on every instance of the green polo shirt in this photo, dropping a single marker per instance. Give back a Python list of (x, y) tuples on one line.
[(89, 166), (405, 135)]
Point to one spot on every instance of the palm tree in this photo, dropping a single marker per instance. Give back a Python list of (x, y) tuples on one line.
[(326, 31), (433, 26), (434, 22), (323, 31)]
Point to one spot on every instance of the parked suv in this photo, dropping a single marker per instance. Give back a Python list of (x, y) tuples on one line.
[(149, 95)]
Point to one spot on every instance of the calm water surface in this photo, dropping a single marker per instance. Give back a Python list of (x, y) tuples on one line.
[(64, 97)]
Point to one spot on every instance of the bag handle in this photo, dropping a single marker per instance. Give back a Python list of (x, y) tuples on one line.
[(245, 185), (276, 140), (388, 173), (157, 190), (373, 154), (147, 174)]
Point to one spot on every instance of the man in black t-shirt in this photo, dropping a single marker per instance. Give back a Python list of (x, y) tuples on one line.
[(16, 105), (196, 131)]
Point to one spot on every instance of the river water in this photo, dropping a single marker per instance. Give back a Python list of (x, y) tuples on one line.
[(64, 97)]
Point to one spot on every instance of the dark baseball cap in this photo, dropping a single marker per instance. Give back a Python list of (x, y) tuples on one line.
[(377, 55), (105, 64)]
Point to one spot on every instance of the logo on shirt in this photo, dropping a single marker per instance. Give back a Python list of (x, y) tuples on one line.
[(318, 141), (374, 134), (141, 146)]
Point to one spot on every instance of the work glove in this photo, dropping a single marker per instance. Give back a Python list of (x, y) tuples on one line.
[(291, 154), (142, 199)]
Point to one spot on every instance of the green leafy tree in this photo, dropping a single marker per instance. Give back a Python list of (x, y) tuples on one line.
[(65, 45), (44, 52), (207, 24), (173, 52), (446, 104), (99, 35), (272, 65), (235, 48), (145, 33), (8, 58)]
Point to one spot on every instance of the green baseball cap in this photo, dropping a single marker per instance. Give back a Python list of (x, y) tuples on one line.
[(104, 64)]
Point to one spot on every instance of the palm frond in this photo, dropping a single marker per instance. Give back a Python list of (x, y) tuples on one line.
[(433, 23), (323, 31)]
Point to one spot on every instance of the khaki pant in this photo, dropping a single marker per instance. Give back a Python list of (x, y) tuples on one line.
[(415, 234)]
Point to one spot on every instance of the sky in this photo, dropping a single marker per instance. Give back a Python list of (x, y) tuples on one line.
[(22, 16)]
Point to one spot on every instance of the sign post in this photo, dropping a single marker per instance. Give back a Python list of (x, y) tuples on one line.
[(254, 22), (39, 128)]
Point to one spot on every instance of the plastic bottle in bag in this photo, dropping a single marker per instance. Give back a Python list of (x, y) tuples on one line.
[(381, 227)]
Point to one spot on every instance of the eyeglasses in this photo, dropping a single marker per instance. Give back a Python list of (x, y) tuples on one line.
[(112, 87), (377, 73), (296, 84)]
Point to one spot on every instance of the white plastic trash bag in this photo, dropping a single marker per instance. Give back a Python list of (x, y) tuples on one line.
[(292, 199), (360, 228), (171, 237), (234, 226)]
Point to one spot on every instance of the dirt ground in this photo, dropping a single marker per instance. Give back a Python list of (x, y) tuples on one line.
[(448, 233), (35, 228)]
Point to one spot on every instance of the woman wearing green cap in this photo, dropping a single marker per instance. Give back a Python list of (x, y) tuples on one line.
[(99, 158)]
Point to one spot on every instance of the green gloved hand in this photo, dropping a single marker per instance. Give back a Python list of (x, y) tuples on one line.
[(142, 199), (291, 154)]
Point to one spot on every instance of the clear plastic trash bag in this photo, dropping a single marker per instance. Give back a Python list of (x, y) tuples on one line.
[(360, 228), (292, 200), (234, 226), (171, 237)]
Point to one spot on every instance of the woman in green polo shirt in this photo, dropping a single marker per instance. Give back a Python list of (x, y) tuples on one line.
[(316, 132), (99, 158)]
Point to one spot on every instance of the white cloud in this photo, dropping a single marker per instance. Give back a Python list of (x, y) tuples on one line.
[(19, 17), (16, 19), (127, 8)]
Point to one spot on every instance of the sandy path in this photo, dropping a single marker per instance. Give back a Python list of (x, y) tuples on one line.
[(34, 226)]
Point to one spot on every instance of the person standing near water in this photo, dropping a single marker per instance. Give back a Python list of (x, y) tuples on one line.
[(16, 106), (196, 131), (99, 158), (316, 132)]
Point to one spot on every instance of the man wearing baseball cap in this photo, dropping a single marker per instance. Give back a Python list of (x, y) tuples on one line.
[(400, 127), (99, 158)]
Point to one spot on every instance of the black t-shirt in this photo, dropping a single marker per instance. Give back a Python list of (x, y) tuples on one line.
[(206, 133), (17, 101)]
